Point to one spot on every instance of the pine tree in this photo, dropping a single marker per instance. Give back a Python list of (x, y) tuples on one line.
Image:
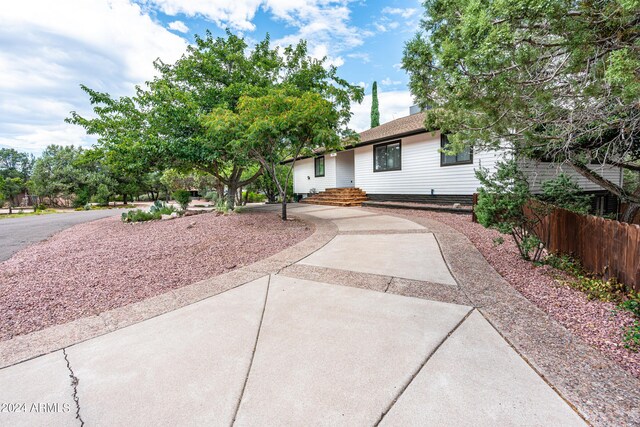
[(375, 114)]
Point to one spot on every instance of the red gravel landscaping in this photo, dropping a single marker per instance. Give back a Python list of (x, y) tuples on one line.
[(596, 322), (94, 267)]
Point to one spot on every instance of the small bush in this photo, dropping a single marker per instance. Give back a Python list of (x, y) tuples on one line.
[(221, 206), (632, 304), (162, 208), (252, 197), (82, 198), (609, 290), (564, 192), (631, 337), (138, 215), (211, 196), (103, 194), (592, 286), (183, 197), (501, 205)]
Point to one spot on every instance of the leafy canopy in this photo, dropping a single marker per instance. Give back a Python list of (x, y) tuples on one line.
[(556, 79)]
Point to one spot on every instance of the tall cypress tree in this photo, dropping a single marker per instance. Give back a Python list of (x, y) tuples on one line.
[(375, 114)]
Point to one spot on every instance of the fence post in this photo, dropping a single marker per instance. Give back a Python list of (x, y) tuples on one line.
[(473, 207)]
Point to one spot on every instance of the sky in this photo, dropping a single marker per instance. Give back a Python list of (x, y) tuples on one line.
[(49, 48)]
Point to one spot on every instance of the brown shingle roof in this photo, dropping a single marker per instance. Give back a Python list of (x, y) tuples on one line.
[(412, 123), (404, 125)]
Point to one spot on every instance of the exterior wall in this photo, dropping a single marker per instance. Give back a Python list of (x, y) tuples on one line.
[(345, 171), (538, 172), (305, 168), (421, 171)]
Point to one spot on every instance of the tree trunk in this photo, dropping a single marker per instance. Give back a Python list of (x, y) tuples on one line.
[(220, 190), (284, 208), (124, 199), (604, 183), (632, 210)]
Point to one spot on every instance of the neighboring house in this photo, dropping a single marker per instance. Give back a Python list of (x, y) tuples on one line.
[(401, 161)]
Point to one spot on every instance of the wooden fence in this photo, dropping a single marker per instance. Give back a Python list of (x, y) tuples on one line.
[(605, 247)]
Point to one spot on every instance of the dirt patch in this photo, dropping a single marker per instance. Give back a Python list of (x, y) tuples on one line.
[(94, 267), (598, 323)]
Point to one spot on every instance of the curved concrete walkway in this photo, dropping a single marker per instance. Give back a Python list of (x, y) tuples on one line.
[(296, 348)]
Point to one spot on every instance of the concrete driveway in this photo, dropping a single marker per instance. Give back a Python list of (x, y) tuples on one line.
[(283, 350), (16, 233)]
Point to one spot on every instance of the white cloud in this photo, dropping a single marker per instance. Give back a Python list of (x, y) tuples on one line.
[(362, 56), (404, 12), (392, 105), (379, 27), (50, 48), (389, 82), (324, 24), (178, 26), (236, 14)]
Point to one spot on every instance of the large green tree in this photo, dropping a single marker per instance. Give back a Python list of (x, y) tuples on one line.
[(557, 79), (164, 124), (282, 124), (14, 164)]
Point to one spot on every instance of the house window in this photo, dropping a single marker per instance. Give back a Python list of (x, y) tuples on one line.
[(463, 158), (318, 164), (386, 157)]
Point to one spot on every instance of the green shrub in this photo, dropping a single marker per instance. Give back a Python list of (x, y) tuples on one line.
[(501, 205), (211, 196), (82, 198), (252, 197), (183, 197), (631, 337), (565, 193), (609, 290), (138, 215), (162, 208), (221, 206), (632, 304), (102, 195)]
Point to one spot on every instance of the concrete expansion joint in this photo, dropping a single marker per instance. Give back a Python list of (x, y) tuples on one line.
[(253, 353), (536, 370), (74, 386), (422, 365)]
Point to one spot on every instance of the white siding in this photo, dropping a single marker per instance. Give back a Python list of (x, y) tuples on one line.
[(345, 172), (538, 172), (304, 168), (421, 171)]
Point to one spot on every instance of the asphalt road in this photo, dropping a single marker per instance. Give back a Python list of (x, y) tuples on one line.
[(16, 233)]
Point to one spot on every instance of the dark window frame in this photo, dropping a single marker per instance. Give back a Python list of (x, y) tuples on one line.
[(384, 144), (315, 166), (444, 138)]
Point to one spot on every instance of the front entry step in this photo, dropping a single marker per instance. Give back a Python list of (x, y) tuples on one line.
[(338, 197)]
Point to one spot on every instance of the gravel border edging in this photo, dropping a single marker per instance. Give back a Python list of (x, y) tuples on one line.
[(38, 343), (596, 386)]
